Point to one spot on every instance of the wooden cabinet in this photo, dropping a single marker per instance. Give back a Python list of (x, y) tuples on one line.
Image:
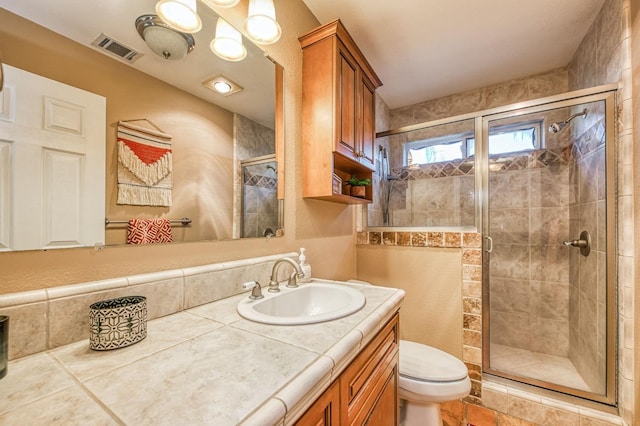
[(366, 393), (325, 411), (338, 113)]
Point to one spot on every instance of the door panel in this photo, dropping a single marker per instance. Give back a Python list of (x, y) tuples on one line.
[(54, 194)]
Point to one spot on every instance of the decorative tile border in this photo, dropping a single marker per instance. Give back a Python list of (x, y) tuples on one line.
[(260, 181), (471, 245), (507, 162)]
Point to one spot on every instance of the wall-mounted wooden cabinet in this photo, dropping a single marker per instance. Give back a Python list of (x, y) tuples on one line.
[(367, 390), (338, 113)]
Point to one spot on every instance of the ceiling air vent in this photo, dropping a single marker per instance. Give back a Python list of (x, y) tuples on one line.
[(115, 48)]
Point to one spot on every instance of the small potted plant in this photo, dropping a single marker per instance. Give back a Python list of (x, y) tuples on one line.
[(358, 186)]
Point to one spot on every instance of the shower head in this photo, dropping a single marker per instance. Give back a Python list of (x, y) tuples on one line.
[(559, 125), (556, 127)]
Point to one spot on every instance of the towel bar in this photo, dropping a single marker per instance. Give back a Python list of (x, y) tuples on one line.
[(184, 221)]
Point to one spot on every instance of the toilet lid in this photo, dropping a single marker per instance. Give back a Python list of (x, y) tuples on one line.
[(422, 362)]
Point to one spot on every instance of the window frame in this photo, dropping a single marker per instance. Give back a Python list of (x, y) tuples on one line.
[(465, 137)]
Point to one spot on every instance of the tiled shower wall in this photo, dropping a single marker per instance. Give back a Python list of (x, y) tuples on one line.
[(260, 205), (529, 274), (588, 275), (604, 56), (433, 195)]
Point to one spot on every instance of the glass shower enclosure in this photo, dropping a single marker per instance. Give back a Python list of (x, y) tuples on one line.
[(537, 181), (259, 197), (548, 222)]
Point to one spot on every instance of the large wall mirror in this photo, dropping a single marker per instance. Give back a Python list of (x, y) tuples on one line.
[(226, 169)]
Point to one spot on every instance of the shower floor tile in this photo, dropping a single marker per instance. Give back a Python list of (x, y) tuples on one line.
[(549, 368)]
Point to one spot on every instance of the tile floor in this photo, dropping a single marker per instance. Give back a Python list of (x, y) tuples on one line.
[(549, 368)]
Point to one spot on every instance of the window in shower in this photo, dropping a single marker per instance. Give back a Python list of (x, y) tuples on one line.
[(505, 139), (436, 193), (511, 138)]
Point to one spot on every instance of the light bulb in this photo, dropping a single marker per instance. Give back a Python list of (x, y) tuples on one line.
[(228, 42), (261, 24), (222, 3), (180, 15), (222, 86)]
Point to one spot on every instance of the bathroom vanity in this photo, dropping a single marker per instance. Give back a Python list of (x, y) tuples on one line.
[(367, 391), (208, 365)]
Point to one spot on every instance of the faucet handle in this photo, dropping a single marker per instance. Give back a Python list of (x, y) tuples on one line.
[(293, 281), (256, 289)]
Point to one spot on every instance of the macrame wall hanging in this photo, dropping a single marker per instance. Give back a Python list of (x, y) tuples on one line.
[(145, 169)]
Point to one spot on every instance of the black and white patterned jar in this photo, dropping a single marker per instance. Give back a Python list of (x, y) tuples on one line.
[(116, 323)]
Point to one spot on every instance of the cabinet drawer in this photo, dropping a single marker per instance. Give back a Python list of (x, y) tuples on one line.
[(366, 378)]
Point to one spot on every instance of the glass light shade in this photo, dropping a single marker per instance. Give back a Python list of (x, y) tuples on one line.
[(228, 42), (181, 15), (222, 3), (166, 43), (261, 24)]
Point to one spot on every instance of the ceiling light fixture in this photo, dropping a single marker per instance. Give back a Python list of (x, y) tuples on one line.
[(222, 3), (162, 39), (181, 15), (261, 24), (228, 42), (222, 85)]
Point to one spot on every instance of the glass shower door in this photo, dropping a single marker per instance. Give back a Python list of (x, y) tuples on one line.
[(548, 260), (259, 198)]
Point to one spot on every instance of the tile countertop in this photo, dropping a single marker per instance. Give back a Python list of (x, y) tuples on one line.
[(202, 366)]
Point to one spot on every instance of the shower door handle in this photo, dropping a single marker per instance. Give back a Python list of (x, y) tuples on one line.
[(488, 245), (583, 243)]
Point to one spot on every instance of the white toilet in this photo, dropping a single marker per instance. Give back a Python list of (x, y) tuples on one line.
[(429, 376)]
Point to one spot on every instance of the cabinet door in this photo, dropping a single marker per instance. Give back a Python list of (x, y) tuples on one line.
[(365, 380), (386, 412), (346, 108), (367, 123), (325, 411)]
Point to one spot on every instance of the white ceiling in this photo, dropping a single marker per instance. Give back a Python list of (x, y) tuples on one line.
[(426, 49), (83, 21), (420, 49)]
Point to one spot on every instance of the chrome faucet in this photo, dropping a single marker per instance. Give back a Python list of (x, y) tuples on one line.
[(293, 282)]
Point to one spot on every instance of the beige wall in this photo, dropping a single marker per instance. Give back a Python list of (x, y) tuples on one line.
[(325, 229), (431, 277)]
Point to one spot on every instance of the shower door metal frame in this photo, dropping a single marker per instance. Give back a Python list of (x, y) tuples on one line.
[(601, 93)]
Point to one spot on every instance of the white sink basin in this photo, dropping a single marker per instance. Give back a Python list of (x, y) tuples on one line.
[(307, 304)]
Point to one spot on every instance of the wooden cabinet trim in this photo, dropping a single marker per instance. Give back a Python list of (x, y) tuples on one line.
[(364, 379), (377, 394), (325, 411), (337, 28)]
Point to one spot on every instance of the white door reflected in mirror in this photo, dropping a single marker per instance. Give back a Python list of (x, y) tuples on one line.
[(52, 156)]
